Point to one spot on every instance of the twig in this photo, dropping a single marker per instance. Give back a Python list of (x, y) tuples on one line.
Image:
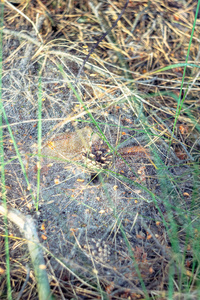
[(21, 36), (29, 48), (27, 18), (99, 41), (27, 227), (25, 282)]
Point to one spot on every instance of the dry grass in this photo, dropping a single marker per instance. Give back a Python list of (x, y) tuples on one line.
[(145, 206)]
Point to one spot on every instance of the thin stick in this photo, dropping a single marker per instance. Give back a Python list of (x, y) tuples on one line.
[(27, 18), (99, 41), (28, 229)]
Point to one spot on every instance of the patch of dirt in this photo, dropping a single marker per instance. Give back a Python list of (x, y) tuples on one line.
[(96, 221)]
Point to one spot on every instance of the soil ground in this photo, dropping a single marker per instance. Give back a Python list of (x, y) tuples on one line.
[(92, 228)]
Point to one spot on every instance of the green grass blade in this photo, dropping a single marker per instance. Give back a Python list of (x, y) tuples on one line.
[(170, 67), (39, 138), (18, 154), (180, 103), (3, 185)]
